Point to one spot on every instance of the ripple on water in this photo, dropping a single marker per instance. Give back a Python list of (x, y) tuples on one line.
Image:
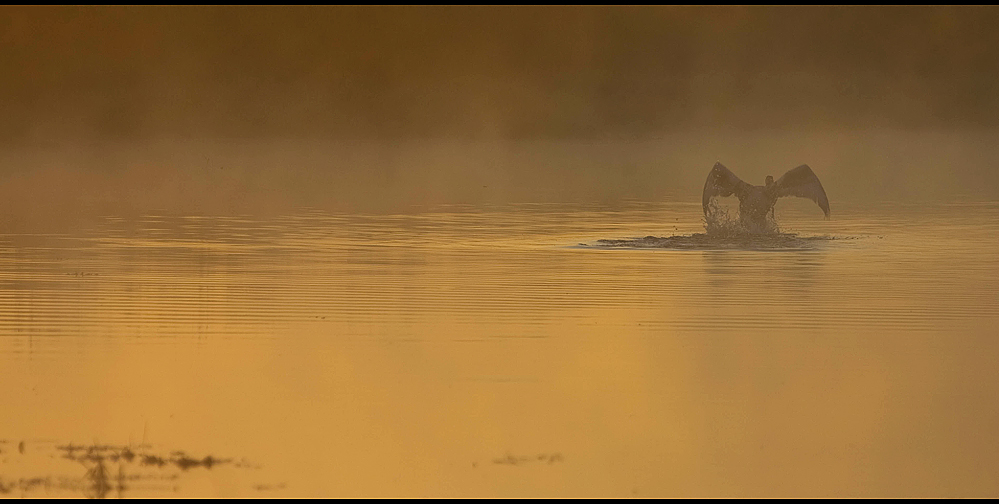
[(704, 241)]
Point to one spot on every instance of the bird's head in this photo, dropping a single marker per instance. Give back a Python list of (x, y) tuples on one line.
[(770, 180)]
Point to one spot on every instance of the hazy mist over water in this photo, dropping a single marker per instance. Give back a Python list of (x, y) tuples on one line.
[(461, 251), (222, 110)]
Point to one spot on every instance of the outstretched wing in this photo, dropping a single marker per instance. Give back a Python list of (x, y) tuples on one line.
[(801, 182), (721, 182)]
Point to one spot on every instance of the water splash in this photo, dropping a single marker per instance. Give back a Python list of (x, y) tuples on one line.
[(723, 232), (703, 241), (718, 222)]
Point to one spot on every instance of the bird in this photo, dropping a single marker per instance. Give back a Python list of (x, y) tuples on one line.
[(755, 202)]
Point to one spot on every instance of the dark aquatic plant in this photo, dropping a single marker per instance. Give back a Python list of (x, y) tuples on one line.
[(111, 468)]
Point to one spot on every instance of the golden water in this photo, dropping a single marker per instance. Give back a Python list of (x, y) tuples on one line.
[(503, 351)]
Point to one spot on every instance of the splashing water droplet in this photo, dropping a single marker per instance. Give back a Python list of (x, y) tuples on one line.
[(718, 223)]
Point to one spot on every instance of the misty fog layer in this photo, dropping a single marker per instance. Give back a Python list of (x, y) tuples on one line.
[(235, 109)]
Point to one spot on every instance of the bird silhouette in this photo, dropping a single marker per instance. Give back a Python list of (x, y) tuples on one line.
[(755, 202)]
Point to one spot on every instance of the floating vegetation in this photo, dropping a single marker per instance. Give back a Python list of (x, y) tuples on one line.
[(263, 488), (25, 485), (109, 469), (97, 453), (509, 459)]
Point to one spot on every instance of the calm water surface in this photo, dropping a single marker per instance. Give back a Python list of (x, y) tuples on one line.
[(503, 351)]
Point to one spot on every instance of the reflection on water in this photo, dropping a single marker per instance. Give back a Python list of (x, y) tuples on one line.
[(484, 352)]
